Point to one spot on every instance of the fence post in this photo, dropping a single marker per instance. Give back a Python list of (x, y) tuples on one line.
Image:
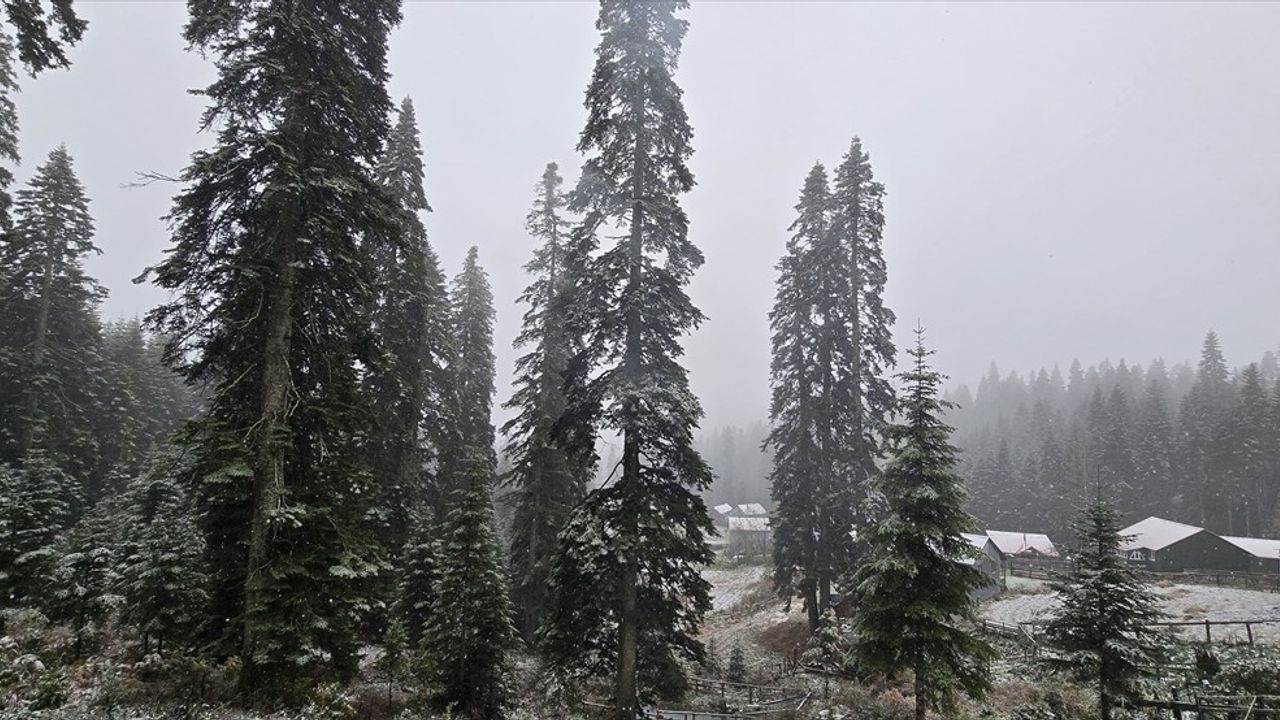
[(1208, 636), (1249, 631)]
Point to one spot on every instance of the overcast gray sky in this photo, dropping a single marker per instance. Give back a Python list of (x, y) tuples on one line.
[(1076, 180)]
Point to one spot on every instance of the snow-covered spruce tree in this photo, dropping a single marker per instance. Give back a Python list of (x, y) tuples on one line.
[(1100, 631), (416, 598), (50, 372), (470, 385), (795, 479), (161, 573), (83, 592), (470, 632), (271, 288), (913, 592), (546, 479), (411, 313), (629, 555), (33, 513)]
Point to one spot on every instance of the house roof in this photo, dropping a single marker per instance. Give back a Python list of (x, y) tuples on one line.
[(1155, 534), (978, 541), (749, 524), (1016, 543), (752, 509), (723, 509), (1257, 547)]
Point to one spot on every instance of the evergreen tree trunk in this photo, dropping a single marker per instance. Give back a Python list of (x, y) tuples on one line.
[(625, 697), (625, 701), (1104, 699), (810, 591), (922, 705), (268, 474)]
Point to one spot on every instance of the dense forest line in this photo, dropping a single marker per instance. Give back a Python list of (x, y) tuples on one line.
[(1194, 442)]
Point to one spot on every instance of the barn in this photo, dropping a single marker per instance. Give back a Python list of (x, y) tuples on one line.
[(990, 561), (720, 516), (1023, 545), (1167, 546), (749, 535), (1264, 553)]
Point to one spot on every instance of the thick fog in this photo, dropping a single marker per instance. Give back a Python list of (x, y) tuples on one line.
[(1084, 180)]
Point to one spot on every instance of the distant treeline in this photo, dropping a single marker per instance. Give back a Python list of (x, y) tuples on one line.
[(741, 466), (1191, 442)]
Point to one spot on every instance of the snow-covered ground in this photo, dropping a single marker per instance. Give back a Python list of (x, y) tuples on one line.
[(1033, 601), (731, 586)]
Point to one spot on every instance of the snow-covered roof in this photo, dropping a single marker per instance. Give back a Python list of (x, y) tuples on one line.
[(723, 508), (749, 524), (1018, 543), (1257, 547), (1155, 534), (978, 541), (752, 509)]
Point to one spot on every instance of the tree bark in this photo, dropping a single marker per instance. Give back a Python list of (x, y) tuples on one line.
[(811, 604), (271, 436), (1104, 698), (626, 703), (922, 705), (626, 699)]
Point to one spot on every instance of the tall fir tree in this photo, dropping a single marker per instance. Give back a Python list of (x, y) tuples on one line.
[(843, 348), (1200, 416), (857, 224), (469, 631), (914, 591), (639, 540), (470, 377), (411, 314), (795, 479), (52, 367), (1101, 631), (546, 477), (271, 289), (469, 626)]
